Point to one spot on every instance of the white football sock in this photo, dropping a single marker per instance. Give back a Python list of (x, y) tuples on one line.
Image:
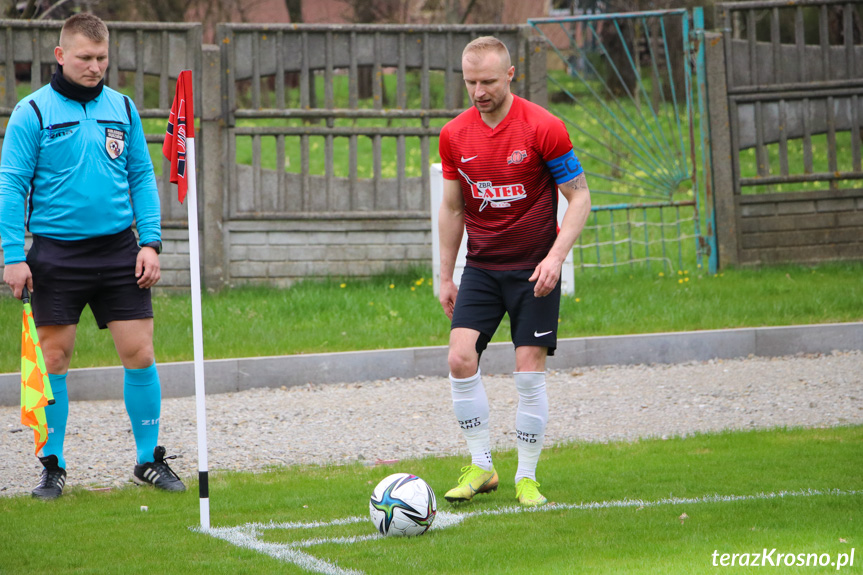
[(530, 420), (470, 405)]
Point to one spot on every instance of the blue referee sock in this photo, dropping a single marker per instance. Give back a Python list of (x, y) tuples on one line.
[(143, 396), (56, 416)]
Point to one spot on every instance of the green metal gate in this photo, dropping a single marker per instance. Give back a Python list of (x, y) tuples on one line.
[(625, 86)]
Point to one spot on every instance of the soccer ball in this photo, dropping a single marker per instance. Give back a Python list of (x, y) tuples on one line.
[(402, 505)]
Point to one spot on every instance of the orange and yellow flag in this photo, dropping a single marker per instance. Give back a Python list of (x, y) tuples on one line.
[(35, 386)]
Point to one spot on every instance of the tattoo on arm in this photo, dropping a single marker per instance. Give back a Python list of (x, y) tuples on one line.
[(579, 182)]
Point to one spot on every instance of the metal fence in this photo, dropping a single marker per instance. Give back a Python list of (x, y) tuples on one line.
[(656, 236), (630, 96)]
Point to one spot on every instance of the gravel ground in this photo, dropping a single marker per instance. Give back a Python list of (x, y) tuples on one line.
[(402, 418)]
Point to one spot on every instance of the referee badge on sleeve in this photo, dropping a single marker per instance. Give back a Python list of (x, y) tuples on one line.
[(114, 142)]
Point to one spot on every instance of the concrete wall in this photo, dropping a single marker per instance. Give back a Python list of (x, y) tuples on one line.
[(802, 227)]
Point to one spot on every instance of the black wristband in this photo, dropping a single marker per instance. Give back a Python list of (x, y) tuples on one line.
[(155, 245)]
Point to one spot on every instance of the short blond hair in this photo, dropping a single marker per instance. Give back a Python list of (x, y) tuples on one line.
[(88, 25), (485, 44)]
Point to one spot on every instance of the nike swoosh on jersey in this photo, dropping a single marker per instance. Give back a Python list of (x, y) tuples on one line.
[(463, 159), (537, 334)]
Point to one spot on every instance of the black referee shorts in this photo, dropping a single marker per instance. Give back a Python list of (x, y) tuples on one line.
[(484, 296), (99, 272)]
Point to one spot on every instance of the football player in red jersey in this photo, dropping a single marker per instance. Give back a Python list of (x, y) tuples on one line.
[(504, 162)]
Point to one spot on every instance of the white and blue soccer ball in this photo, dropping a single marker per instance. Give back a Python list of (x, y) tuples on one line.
[(402, 505)]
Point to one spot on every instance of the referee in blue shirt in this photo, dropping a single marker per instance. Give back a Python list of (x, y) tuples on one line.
[(76, 172)]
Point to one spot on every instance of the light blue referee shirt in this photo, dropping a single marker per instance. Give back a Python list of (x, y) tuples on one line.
[(85, 166)]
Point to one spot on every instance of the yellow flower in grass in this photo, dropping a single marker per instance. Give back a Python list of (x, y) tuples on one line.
[(392, 286), (662, 274), (680, 281), (343, 286)]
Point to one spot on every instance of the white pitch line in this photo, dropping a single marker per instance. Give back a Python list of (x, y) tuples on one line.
[(247, 536), (457, 518)]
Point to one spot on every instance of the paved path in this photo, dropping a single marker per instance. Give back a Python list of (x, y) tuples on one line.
[(399, 418)]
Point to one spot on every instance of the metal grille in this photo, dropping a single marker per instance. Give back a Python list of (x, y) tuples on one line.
[(628, 98)]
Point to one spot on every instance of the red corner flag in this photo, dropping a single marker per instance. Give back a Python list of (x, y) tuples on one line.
[(181, 125)]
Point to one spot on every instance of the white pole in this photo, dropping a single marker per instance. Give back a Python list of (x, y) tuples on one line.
[(197, 333)]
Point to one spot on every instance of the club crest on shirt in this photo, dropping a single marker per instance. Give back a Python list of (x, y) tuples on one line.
[(517, 157), (115, 141)]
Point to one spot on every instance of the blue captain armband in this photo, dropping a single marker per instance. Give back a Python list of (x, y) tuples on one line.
[(565, 168)]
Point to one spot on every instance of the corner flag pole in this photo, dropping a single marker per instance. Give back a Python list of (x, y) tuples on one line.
[(198, 338), (179, 147)]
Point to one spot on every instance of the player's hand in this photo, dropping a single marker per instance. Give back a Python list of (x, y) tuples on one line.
[(147, 268), (448, 293), (546, 275), (17, 276)]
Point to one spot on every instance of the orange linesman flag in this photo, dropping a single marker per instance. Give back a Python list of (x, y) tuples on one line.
[(35, 386), (181, 125)]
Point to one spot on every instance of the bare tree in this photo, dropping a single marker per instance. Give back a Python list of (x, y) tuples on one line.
[(35, 9), (375, 12), (295, 10), (459, 11)]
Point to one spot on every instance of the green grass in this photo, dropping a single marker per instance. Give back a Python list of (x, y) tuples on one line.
[(105, 532), (402, 311)]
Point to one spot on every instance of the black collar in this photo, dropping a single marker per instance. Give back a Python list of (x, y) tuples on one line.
[(72, 90)]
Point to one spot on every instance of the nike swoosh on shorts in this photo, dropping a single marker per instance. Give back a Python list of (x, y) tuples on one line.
[(537, 334)]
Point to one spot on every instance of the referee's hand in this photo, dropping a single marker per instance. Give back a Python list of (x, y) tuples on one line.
[(17, 276), (147, 268)]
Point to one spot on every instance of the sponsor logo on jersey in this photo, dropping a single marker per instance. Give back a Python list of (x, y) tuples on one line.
[(53, 135), (497, 196), (517, 157), (463, 159), (115, 141)]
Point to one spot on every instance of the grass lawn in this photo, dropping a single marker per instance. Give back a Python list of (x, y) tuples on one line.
[(620, 509), (401, 310)]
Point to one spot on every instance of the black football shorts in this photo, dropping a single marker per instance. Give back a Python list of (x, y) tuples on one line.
[(99, 272), (484, 296)]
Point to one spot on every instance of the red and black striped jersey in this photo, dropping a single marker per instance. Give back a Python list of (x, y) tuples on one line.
[(510, 194)]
